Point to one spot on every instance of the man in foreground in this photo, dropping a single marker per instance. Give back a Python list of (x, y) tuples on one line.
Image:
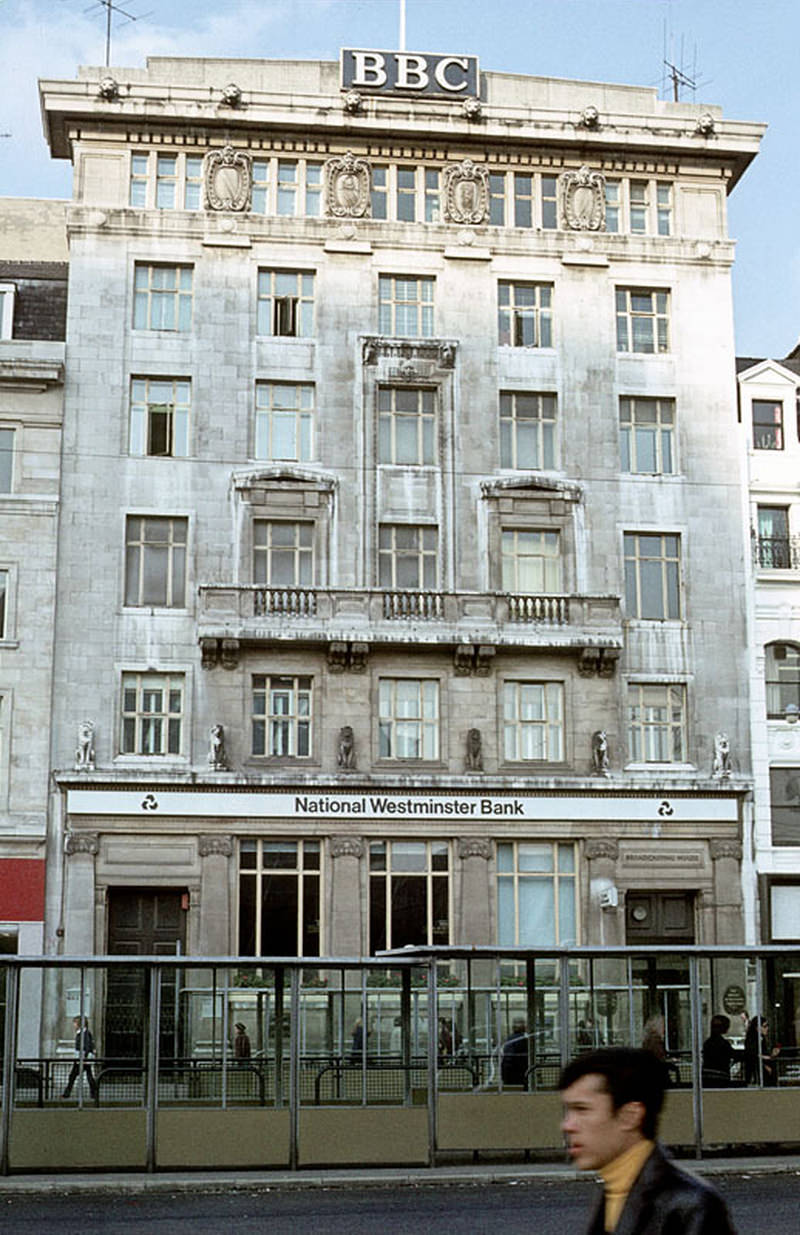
[(612, 1100)]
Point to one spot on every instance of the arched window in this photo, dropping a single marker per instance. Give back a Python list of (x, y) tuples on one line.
[(782, 673)]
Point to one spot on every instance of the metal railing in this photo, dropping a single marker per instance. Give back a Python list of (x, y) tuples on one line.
[(776, 552)]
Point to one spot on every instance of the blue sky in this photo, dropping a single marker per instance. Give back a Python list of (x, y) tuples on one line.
[(744, 54)]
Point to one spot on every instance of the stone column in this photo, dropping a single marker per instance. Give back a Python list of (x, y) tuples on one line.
[(606, 925), (347, 936), (726, 856), (79, 901), (473, 919), (215, 904)]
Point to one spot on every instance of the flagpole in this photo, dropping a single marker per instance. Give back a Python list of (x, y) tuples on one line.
[(402, 34)]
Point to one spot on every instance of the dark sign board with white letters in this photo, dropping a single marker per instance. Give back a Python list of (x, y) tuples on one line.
[(409, 72)]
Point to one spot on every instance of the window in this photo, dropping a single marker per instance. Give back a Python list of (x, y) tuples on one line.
[(531, 561), (379, 193), (155, 561), (664, 209), (613, 206), (497, 198), (282, 716), (773, 546), (279, 898), (646, 436), (284, 421), (406, 306), (160, 416), (287, 187), (405, 204), (283, 553), (525, 314), (523, 199), (406, 425), (176, 181), (285, 303), (140, 170), (313, 185), (656, 722), (784, 798), (767, 424), (408, 718), (549, 203), (533, 721), (782, 679), (3, 603), (409, 893), (6, 460), (638, 206), (152, 714), (7, 294), (642, 320), (527, 430), (407, 556), (162, 297), (536, 901), (259, 196), (166, 181), (652, 575), (433, 212)]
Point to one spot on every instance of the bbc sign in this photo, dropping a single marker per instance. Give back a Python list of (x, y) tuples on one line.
[(409, 72)]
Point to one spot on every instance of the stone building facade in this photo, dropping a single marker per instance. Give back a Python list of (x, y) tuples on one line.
[(33, 299), (768, 399), (396, 600)]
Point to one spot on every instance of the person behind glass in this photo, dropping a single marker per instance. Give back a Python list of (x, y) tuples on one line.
[(718, 1054), (756, 1046), (357, 1042), (612, 1099), (514, 1056), (241, 1044), (84, 1050), (445, 1039), (653, 1041)]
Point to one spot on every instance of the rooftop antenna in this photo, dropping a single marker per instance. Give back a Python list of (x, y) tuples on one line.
[(401, 38), (110, 9), (678, 74)]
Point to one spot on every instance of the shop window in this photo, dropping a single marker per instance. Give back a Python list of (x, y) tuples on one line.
[(280, 904), (536, 901), (409, 893)]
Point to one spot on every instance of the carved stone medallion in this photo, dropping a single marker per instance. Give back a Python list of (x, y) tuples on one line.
[(347, 187), (466, 193), (608, 849), (228, 180), (583, 200), (474, 847), (347, 847), (214, 846), (81, 842)]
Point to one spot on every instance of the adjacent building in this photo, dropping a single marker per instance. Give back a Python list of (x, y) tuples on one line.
[(402, 575)]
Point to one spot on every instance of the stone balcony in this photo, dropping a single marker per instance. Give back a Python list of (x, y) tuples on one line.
[(350, 621)]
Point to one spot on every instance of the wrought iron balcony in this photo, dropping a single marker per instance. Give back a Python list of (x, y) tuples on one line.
[(776, 552), (255, 615)]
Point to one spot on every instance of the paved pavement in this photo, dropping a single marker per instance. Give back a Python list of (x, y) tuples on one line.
[(130, 1183)]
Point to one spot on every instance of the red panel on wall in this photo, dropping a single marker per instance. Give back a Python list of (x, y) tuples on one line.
[(21, 890)]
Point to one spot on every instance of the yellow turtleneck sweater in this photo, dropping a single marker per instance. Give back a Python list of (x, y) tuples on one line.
[(619, 1177)]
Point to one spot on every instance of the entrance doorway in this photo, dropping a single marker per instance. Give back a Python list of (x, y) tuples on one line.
[(662, 982), (142, 922)]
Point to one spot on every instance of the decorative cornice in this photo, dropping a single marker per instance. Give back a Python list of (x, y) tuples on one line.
[(215, 846), (81, 842), (608, 849), (475, 847), (347, 847)]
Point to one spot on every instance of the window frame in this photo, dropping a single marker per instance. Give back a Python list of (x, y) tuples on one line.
[(392, 418), (511, 317), (298, 724), (138, 551), (387, 876), (774, 552), (638, 568), (304, 556), (5, 604), (761, 429), (513, 723), (775, 686), (295, 309), (639, 734), (428, 727), (392, 555), (177, 414), (540, 429), (300, 417), (628, 316), (8, 297), (390, 306), (663, 431), (514, 875), (171, 682), (513, 561), (148, 184), (12, 452), (181, 294), (304, 872)]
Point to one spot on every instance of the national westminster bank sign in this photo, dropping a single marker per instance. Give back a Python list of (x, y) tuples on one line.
[(409, 73), (396, 807)]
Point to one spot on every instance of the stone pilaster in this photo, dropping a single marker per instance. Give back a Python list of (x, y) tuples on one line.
[(726, 856), (347, 935), (81, 849), (215, 909), (605, 925), (474, 924)]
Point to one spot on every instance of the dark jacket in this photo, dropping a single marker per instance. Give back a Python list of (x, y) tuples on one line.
[(666, 1201)]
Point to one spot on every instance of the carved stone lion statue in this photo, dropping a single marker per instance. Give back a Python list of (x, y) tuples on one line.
[(474, 757), (346, 757)]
